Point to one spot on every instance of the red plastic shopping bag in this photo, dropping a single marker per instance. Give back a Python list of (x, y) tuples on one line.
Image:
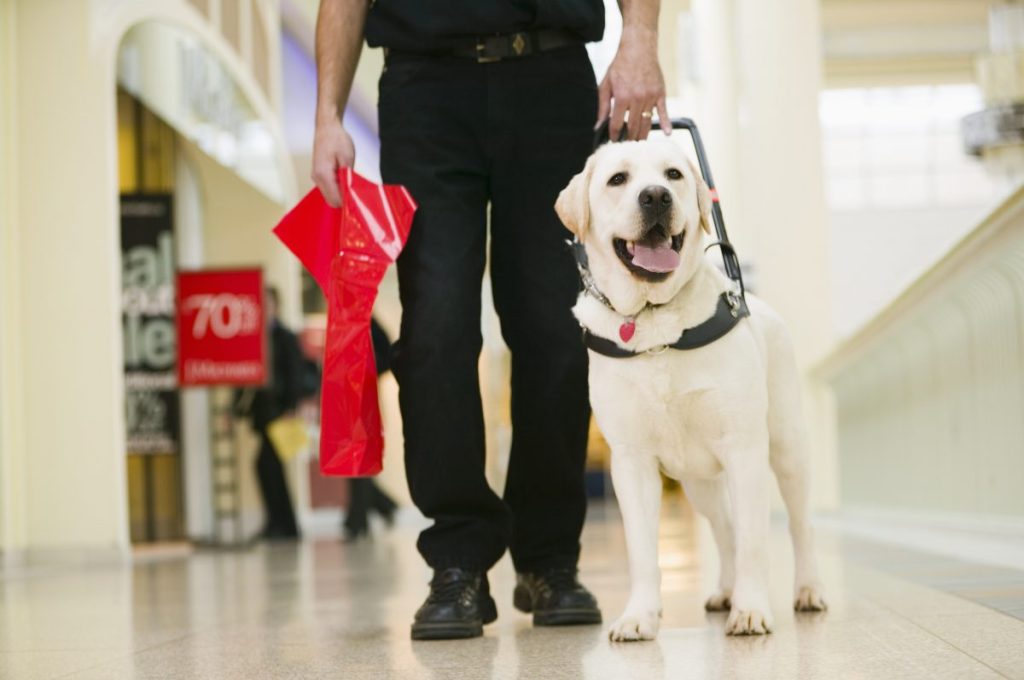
[(347, 250)]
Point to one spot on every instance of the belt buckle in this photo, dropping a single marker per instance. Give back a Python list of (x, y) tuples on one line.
[(482, 57), (519, 43)]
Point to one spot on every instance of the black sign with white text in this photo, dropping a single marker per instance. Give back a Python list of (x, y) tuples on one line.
[(150, 343)]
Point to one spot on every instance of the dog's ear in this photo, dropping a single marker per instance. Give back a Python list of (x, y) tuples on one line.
[(573, 204), (703, 199)]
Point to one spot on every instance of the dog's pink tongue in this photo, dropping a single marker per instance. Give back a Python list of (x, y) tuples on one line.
[(659, 259)]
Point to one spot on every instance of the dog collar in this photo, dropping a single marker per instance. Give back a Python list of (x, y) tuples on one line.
[(583, 266), (628, 327), (730, 310)]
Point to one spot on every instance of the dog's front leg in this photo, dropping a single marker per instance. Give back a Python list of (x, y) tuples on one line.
[(746, 469), (638, 489)]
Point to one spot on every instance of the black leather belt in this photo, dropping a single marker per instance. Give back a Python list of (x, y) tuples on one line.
[(488, 48)]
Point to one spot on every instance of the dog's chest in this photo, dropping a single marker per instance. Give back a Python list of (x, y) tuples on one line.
[(674, 407)]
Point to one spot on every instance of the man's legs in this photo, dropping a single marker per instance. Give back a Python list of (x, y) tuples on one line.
[(365, 495), (274, 488), (356, 520), (542, 116), (430, 143)]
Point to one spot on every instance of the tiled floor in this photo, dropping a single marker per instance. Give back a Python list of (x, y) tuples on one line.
[(998, 588), (324, 610)]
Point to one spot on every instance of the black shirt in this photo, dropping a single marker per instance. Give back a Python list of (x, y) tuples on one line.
[(285, 388), (435, 25)]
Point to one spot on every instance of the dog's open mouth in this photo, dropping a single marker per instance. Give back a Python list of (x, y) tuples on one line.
[(653, 257)]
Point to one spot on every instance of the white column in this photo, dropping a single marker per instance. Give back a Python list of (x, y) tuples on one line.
[(12, 498), (715, 110), (195, 402), (71, 383), (779, 76), (778, 48)]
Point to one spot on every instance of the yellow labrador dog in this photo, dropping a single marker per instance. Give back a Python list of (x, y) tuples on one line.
[(714, 417)]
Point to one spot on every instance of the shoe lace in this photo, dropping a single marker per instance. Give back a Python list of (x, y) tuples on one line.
[(447, 590), (558, 580)]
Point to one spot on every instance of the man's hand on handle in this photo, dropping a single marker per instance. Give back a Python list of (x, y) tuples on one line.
[(332, 150), (634, 82)]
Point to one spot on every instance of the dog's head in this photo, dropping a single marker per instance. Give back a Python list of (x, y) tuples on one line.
[(639, 208)]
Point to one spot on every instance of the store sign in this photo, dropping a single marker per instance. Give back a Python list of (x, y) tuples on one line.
[(177, 76), (221, 330), (150, 345)]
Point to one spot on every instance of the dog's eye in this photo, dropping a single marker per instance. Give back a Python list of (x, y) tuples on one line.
[(672, 173), (617, 179)]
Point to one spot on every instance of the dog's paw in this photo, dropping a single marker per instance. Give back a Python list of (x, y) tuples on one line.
[(719, 602), (630, 627), (748, 622), (809, 599)]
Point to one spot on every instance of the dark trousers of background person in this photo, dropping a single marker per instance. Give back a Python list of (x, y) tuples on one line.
[(274, 489), (364, 494), (460, 136)]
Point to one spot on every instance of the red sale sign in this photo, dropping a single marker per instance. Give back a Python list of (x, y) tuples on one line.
[(222, 338)]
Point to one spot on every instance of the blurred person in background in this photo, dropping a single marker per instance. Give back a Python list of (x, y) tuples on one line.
[(264, 405), (489, 105), (364, 492)]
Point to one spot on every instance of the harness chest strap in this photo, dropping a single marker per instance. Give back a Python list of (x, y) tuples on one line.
[(730, 310)]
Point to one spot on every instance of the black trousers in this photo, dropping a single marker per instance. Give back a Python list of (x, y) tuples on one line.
[(462, 136), (274, 488), (365, 495)]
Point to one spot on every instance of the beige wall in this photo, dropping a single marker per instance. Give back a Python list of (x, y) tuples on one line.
[(12, 534), (930, 393), (62, 458), (237, 222), (73, 430)]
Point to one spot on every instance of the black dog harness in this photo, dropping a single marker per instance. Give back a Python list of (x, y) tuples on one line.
[(731, 308), (732, 305)]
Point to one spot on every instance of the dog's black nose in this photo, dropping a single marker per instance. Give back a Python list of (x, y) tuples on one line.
[(655, 197)]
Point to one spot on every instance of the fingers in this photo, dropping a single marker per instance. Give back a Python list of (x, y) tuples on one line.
[(326, 179), (332, 150), (638, 125), (346, 159), (663, 117), (635, 120), (641, 118), (628, 110), (604, 102), (616, 119), (646, 121)]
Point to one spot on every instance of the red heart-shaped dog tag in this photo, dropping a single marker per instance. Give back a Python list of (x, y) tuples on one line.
[(626, 331)]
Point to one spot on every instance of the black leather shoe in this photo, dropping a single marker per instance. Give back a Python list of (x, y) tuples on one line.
[(556, 598), (458, 606)]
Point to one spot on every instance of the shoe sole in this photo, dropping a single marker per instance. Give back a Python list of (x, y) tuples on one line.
[(457, 631), (567, 617), (561, 617), (447, 631)]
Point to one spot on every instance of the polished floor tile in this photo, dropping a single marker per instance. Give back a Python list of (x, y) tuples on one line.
[(998, 588), (322, 609)]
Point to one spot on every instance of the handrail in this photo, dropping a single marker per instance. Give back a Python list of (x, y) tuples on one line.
[(929, 393), (1004, 222)]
